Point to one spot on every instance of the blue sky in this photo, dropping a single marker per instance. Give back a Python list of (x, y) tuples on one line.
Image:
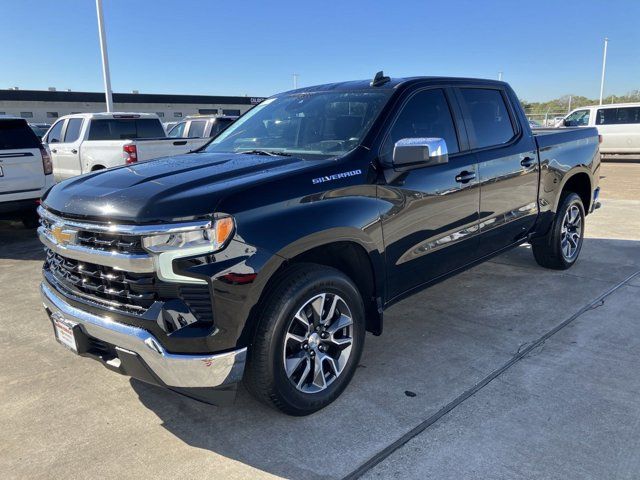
[(545, 48)]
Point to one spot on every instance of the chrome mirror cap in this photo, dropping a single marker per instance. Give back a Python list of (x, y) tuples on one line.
[(411, 153)]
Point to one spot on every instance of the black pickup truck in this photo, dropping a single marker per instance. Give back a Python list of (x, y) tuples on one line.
[(266, 255)]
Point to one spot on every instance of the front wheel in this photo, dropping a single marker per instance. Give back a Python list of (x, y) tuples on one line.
[(308, 342), (560, 247)]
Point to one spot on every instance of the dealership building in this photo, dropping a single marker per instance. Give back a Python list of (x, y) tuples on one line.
[(45, 106)]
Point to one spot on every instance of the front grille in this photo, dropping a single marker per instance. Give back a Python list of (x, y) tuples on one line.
[(105, 241), (111, 242), (126, 291)]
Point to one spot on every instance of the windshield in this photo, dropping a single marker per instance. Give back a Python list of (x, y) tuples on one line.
[(315, 125)]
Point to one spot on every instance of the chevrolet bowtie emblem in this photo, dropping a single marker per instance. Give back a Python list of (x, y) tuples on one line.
[(63, 236)]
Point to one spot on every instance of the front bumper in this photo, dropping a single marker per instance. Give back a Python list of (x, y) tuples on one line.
[(139, 354)]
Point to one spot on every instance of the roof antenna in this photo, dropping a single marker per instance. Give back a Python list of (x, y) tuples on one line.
[(379, 79)]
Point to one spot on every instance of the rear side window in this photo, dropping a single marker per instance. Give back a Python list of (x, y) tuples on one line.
[(125, 129), (73, 130), (196, 130), (489, 117), (55, 134), (618, 116), (16, 134), (425, 115)]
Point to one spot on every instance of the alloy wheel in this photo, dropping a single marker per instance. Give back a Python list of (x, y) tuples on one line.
[(318, 342), (571, 233)]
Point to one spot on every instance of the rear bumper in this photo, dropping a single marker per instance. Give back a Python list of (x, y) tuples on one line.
[(136, 352)]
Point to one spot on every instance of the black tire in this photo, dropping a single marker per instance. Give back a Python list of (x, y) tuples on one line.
[(548, 250), (265, 374)]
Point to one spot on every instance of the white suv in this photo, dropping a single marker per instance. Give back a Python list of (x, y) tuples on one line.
[(26, 171)]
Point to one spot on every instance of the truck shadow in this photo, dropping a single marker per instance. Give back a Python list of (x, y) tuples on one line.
[(19, 243), (435, 347)]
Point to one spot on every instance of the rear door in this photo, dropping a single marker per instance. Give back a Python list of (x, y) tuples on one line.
[(507, 166), (67, 157), (21, 168)]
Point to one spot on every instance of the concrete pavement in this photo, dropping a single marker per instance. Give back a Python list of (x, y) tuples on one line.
[(565, 410)]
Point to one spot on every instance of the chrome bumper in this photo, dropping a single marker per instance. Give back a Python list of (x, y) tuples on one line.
[(174, 370)]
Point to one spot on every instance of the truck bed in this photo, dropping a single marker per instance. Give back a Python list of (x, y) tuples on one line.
[(549, 137)]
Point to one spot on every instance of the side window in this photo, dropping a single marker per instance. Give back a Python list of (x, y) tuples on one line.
[(579, 118), (489, 117), (178, 130), (73, 130), (426, 114), (55, 134), (620, 116), (196, 130)]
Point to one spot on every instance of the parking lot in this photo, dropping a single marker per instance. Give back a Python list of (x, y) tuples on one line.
[(506, 371)]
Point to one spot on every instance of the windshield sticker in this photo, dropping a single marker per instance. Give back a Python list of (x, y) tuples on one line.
[(336, 176)]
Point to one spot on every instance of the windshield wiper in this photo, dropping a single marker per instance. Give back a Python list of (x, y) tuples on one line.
[(271, 153)]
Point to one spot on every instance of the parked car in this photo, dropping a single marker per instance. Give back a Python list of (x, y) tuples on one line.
[(40, 129), (534, 124), (25, 171), (269, 253), (86, 142), (201, 126), (618, 124)]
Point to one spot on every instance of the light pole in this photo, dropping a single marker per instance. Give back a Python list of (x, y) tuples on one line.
[(295, 81), (500, 76), (604, 66), (105, 58)]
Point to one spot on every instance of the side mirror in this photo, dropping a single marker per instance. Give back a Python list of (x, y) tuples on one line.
[(567, 123), (409, 153)]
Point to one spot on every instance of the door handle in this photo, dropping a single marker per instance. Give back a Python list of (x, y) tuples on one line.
[(465, 177), (527, 162), (180, 142), (53, 150), (74, 150)]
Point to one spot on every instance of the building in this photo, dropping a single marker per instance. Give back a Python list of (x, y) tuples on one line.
[(45, 106)]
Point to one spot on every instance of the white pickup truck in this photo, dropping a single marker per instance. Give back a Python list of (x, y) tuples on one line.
[(86, 142)]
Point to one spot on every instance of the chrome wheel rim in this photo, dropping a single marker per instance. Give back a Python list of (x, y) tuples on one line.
[(571, 233), (318, 343)]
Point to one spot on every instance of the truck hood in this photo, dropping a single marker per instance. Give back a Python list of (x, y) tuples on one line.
[(176, 188)]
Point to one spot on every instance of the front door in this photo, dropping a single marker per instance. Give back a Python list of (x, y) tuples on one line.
[(430, 215)]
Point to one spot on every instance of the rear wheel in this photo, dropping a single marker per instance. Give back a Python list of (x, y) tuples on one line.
[(308, 342), (559, 249)]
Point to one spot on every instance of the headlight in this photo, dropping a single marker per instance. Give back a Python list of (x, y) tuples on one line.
[(203, 240)]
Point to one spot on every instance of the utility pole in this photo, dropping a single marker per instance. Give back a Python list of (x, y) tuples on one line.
[(295, 80), (570, 98), (500, 76), (604, 66), (105, 58)]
